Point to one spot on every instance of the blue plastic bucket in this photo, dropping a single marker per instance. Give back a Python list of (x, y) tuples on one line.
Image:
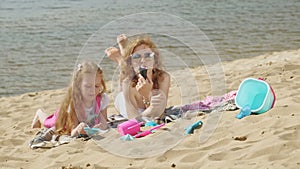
[(257, 94)]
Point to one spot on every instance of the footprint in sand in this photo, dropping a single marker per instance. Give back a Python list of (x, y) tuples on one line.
[(290, 136), (239, 148), (217, 156), (241, 138), (192, 157)]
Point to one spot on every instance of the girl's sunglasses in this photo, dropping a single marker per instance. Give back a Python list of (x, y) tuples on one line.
[(147, 56)]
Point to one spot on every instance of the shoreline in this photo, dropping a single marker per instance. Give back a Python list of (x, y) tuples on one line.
[(193, 67), (271, 139)]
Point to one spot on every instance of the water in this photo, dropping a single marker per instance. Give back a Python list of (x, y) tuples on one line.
[(40, 40)]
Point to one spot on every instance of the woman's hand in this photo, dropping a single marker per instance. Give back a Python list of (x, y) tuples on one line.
[(144, 86)]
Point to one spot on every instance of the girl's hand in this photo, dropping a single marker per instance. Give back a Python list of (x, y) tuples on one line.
[(101, 126), (144, 86), (80, 128)]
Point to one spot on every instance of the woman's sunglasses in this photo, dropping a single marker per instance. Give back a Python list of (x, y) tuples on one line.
[(147, 56)]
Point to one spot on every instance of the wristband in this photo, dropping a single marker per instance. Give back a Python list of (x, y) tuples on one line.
[(147, 103)]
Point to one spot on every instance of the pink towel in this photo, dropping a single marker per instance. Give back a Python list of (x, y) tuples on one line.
[(209, 102)]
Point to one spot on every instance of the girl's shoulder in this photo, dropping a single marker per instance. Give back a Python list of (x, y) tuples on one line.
[(104, 101), (103, 96)]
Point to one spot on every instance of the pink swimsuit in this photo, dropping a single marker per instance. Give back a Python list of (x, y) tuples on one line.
[(51, 120)]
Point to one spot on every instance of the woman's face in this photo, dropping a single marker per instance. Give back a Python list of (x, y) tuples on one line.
[(142, 56), (90, 87)]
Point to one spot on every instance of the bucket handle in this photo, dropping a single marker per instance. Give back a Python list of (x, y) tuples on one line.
[(260, 78), (138, 124)]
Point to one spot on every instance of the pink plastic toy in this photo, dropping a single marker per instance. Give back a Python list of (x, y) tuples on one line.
[(147, 132), (131, 127)]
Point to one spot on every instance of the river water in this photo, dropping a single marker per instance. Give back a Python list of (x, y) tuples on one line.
[(41, 41)]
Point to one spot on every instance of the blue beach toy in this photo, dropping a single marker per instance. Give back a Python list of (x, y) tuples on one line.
[(245, 111), (91, 131), (127, 137), (150, 123), (190, 129), (255, 94)]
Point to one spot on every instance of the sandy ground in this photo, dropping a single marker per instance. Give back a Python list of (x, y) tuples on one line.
[(269, 140)]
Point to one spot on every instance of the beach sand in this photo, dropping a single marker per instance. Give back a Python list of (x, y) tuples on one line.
[(269, 140)]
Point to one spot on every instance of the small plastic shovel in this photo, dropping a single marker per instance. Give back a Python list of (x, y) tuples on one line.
[(147, 132), (190, 129)]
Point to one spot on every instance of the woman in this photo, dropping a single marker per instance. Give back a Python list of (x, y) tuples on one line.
[(139, 96)]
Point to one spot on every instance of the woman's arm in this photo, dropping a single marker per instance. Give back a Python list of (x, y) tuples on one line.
[(130, 101), (159, 98)]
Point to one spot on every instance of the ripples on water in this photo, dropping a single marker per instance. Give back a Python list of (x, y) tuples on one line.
[(40, 41)]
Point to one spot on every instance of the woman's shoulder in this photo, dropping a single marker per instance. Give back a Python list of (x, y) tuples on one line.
[(165, 76), (126, 80)]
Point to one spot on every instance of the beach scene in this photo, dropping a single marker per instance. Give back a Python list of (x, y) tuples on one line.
[(209, 48)]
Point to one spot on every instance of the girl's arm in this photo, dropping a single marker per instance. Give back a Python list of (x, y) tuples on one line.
[(104, 114), (102, 120)]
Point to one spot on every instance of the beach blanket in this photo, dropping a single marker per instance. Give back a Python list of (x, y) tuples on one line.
[(210, 103), (47, 139)]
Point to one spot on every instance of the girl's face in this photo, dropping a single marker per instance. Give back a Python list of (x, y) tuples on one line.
[(142, 56), (90, 87)]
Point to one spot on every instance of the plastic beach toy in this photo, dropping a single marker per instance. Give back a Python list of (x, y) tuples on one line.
[(150, 123), (147, 132), (91, 131), (131, 127), (245, 111), (190, 129), (127, 137), (255, 93)]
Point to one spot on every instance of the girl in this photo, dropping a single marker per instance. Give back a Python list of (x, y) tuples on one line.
[(140, 96), (85, 104)]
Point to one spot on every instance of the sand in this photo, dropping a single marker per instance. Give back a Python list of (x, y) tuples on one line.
[(269, 140)]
